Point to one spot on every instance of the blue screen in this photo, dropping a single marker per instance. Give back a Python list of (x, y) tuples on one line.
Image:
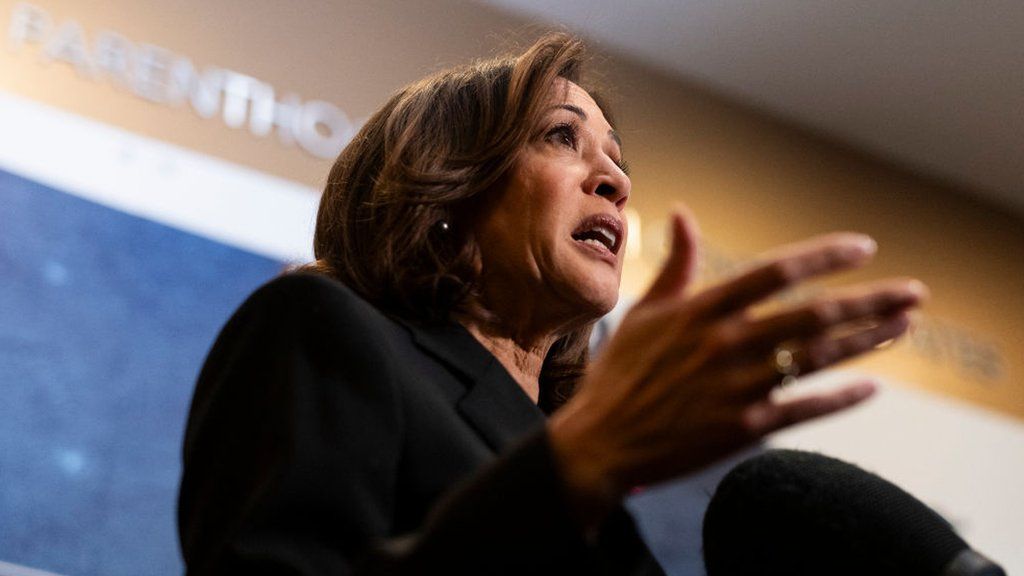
[(105, 319)]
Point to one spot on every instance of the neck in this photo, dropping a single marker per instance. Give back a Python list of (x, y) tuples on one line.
[(522, 356)]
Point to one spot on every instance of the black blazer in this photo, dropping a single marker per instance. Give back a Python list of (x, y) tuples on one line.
[(326, 438)]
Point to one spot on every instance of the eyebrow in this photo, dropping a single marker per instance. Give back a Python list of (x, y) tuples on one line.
[(583, 116)]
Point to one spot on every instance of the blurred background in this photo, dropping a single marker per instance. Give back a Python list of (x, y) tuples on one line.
[(160, 160)]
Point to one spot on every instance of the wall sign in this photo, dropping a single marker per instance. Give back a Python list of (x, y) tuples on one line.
[(162, 76)]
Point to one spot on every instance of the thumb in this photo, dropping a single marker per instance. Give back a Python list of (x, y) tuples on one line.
[(681, 266)]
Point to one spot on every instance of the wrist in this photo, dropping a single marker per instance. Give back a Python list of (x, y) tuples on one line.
[(585, 469)]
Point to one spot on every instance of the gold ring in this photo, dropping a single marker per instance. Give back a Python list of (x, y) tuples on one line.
[(785, 365)]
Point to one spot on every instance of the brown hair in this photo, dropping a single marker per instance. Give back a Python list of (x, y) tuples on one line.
[(395, 217)]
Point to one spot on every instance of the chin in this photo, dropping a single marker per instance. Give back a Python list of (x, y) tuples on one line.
[(608, 304), (589, 291), (598, 301)]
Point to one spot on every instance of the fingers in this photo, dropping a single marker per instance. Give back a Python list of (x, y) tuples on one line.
[(680, 268), (825, 352), (790, 265), (766, 416), (815, 335), (820, 353), (877, 300)]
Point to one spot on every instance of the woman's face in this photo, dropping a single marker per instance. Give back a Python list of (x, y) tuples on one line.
[(553, 240)]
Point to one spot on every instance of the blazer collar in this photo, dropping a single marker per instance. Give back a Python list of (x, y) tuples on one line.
[(494, 403)]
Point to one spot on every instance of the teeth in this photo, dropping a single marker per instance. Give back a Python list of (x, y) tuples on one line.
[(599, 235), (608, 234)]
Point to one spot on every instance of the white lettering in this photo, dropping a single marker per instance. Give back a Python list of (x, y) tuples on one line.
[(111, 55), (180, 79), (323, 129), (238, 90), (205, 88), (261, 113), (68, 45), (152, 79), (159, 75), (287, 114), (29, 25)]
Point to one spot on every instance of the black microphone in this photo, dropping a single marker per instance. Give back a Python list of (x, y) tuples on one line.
[(786, 512)]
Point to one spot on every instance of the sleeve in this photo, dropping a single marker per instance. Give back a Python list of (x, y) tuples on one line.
[(291, 456)]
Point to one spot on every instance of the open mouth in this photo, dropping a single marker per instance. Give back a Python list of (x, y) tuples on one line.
[(600, 231)]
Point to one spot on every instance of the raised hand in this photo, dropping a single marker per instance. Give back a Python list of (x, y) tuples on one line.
[(687, 379)]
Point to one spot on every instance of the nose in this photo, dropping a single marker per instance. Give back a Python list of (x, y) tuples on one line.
[(611, 183)]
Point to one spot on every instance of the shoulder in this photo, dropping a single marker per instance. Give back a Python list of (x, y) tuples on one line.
[(299, 340), (305, 296), (297, 415), (312, 305), (298, 328)]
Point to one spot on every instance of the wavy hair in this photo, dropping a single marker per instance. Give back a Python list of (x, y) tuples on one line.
[(429, 156)]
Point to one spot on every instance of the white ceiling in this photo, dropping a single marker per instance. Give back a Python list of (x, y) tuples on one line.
[(937, 85)]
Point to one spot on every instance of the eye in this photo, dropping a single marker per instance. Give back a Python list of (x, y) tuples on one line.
[(564, 134), (623, 165)]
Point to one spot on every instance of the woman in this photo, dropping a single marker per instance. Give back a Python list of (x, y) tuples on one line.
[(384, 411)]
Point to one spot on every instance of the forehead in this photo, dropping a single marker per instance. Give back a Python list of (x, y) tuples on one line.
[(567, 92)]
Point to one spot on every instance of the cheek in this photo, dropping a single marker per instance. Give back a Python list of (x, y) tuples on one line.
[(557, 197), (537, 209)]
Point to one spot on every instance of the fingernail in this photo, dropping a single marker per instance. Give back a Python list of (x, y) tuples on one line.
[(919, 289), (866, 389), (867, 244)]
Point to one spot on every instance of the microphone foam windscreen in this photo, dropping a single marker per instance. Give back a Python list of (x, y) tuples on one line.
[(798, 513)]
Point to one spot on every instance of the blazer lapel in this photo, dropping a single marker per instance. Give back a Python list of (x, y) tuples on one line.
[(499, 409), (494, 404)]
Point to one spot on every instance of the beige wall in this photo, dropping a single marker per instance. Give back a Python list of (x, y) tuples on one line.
[(753, 181)]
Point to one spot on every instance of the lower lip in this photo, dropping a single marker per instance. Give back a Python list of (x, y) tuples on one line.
[(599, 251)]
